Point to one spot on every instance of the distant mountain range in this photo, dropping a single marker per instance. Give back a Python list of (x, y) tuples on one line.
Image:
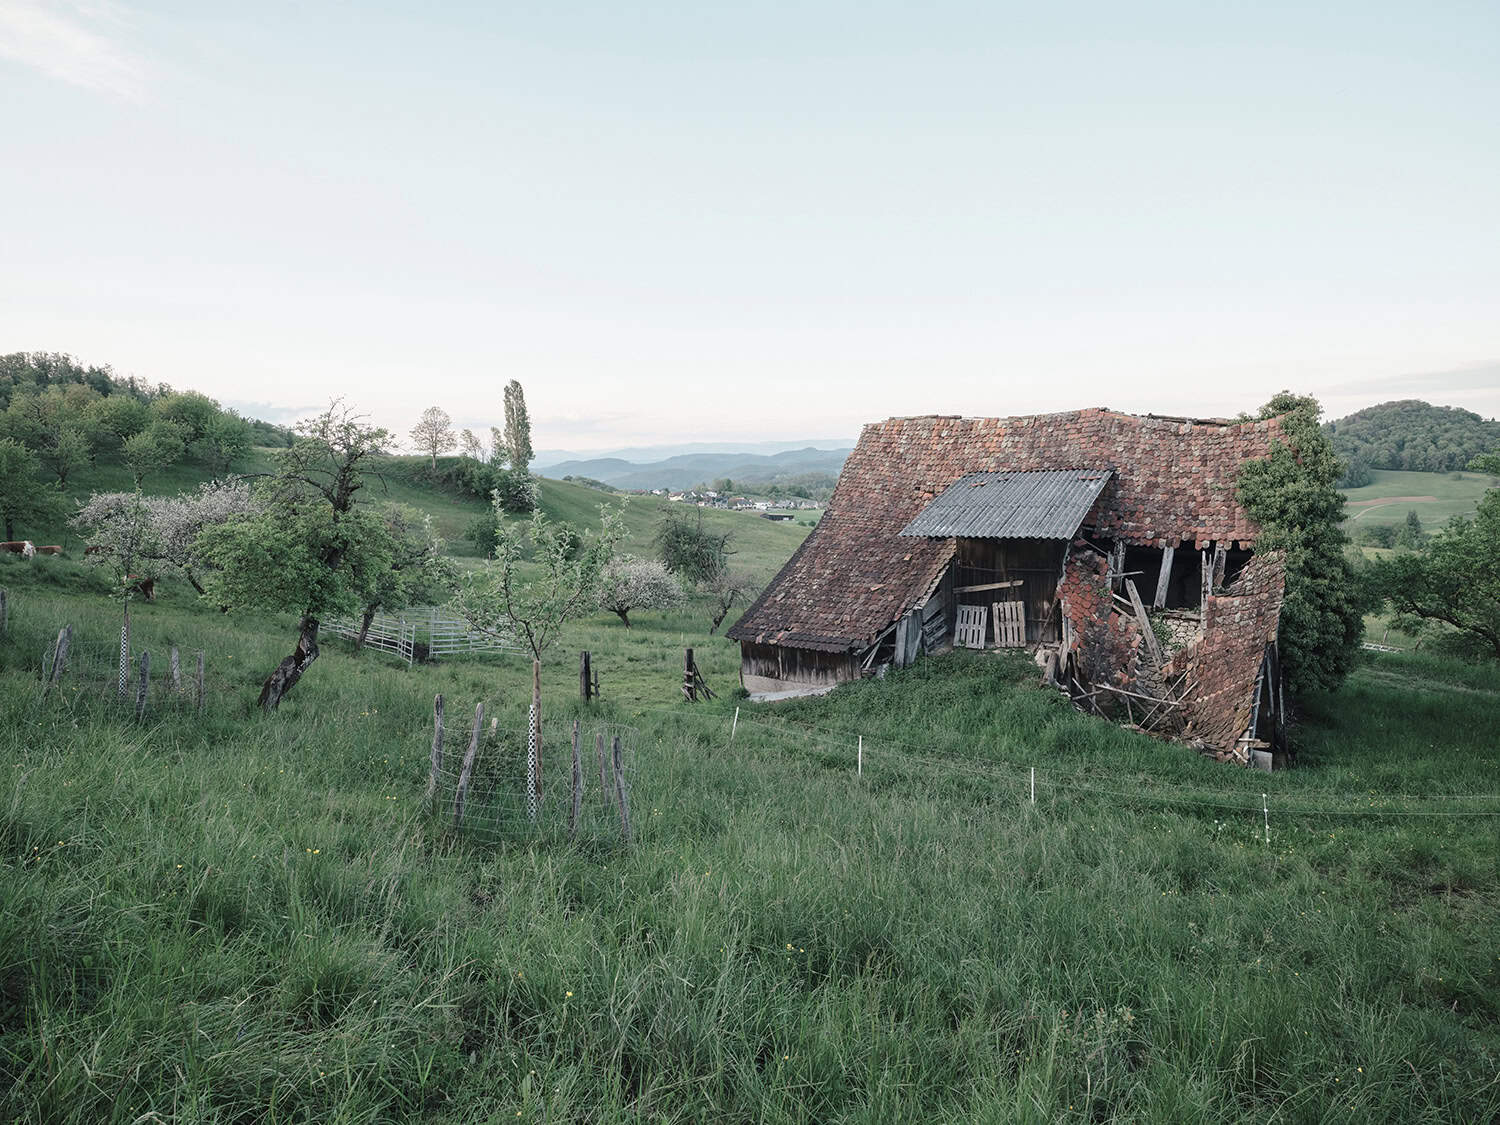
[(652, 454), (688, 469)]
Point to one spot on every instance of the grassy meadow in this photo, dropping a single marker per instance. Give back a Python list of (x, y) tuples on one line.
[(244, 918), (1445, 495)]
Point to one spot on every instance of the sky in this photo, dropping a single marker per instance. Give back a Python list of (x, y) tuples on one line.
[(707, 222)]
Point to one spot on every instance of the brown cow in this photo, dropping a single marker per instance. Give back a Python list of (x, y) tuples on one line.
[(146, 587), (54, 550), (18, 548)]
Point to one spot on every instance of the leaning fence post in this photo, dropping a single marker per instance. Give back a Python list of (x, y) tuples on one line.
[(59, 657), (4, 610), (689, 682), (620, 792), (735, 724), (603, 784), (200, 681), (1265, 807), (859, 760), (140, 688), (584, 679), (468, 767), (577, 785), (431, 797), (176, 666)]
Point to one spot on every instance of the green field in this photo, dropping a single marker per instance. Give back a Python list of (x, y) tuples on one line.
[(1448, 498), (248, 918)]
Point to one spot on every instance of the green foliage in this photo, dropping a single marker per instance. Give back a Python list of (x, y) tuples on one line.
[(515, 490), (533, 603), (54, 424), (1376, 535), (691, 551), (1410, 533), (1292, 495), (433, 433), (1357, 474), (628, 583), (418, 573), (518, 449), (225, 440), (25, 501), (160, 444), (1456, 580), (1412, 435), (1488, 463)]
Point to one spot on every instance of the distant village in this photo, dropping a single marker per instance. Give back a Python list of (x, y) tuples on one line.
[(710, 498)]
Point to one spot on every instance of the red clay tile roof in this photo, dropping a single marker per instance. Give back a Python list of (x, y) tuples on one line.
[(854, 575)]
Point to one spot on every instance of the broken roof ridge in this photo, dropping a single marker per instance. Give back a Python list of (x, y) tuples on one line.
[(1074, 413)]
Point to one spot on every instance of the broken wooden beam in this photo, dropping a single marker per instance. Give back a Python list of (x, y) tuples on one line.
[(1164, 578), (1153, 648), (988, 586)]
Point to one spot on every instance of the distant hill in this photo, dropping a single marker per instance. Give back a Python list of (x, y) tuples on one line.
[(546, 459), (695, 468), (1413, 436)]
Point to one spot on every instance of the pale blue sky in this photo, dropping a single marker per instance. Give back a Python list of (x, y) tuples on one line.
[(691, 222)]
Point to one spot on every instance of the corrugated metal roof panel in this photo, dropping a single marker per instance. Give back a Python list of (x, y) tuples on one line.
[(1042, 505)]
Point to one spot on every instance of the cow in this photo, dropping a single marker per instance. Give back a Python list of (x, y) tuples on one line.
[(146, 587), (92, 549), (24, 547), (54, 550)]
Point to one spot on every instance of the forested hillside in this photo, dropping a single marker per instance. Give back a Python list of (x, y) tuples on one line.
[(1413, 436)]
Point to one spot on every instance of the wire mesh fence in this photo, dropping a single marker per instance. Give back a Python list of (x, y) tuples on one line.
[(492, 783), (135, 667)]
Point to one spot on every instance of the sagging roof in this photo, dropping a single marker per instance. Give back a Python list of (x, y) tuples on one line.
[(1174, 480), (1038, 505)]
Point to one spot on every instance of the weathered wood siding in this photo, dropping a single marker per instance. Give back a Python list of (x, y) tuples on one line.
[(1037, 563), (778, 668)]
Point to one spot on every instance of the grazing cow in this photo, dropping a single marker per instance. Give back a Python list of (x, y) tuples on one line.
[(22, 547), (146, 587), (92, 549), (54, 550)]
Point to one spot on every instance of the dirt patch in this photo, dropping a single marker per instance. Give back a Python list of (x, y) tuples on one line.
[(1393, 500)]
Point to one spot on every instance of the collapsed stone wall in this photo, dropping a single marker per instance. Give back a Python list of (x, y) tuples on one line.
[(1105, 644)]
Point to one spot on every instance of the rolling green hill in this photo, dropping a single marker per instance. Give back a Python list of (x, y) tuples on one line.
[(1413, 436), (757, 545)]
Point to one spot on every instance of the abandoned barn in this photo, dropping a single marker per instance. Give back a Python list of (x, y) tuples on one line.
[(1111, 546)]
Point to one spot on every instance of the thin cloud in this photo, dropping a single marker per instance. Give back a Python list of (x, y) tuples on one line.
[(74, 42)]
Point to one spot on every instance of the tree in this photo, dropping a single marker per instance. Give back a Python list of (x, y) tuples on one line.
[(122, 536), (473, 448), (311, 548), (690, 550), (1485, 463), (173, 524), (1410, 534), (160, 444), (630, 583), (417, 571), (1456, 580), (433, 433), (54, 424), (509, 598), (517, 429), (1292, 495), (225, 438), (24, 498), (727, 587)]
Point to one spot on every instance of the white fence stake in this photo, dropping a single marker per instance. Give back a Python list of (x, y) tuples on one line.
[(1265, 807), (734, 724), (859, 762), (1033, 785)]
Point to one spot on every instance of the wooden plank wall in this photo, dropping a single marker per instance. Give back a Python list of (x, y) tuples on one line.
[(1036, 562)]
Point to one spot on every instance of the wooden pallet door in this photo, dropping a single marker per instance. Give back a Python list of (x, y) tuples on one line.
[(972, 624), (1010, 624)]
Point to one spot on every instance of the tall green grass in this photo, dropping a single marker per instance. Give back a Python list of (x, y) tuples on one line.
[(252, 918)]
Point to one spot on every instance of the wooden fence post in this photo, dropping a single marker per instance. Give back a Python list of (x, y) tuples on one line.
[(59, 657), (431, 797), (142, 685), (689, 681), (584, 684), (175, 664), (4, 610), (468, 768), (620, 792), (200, 681), (577, 785), (603, 784)]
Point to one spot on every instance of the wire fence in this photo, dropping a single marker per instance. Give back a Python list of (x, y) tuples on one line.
[(882, 759), (494, 783), (425, 633), (141, 670)]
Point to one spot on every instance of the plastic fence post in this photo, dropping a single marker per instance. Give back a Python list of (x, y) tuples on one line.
[(735, 724), (1265, 807), (859, 759), (437, 751), (1033, 785)]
